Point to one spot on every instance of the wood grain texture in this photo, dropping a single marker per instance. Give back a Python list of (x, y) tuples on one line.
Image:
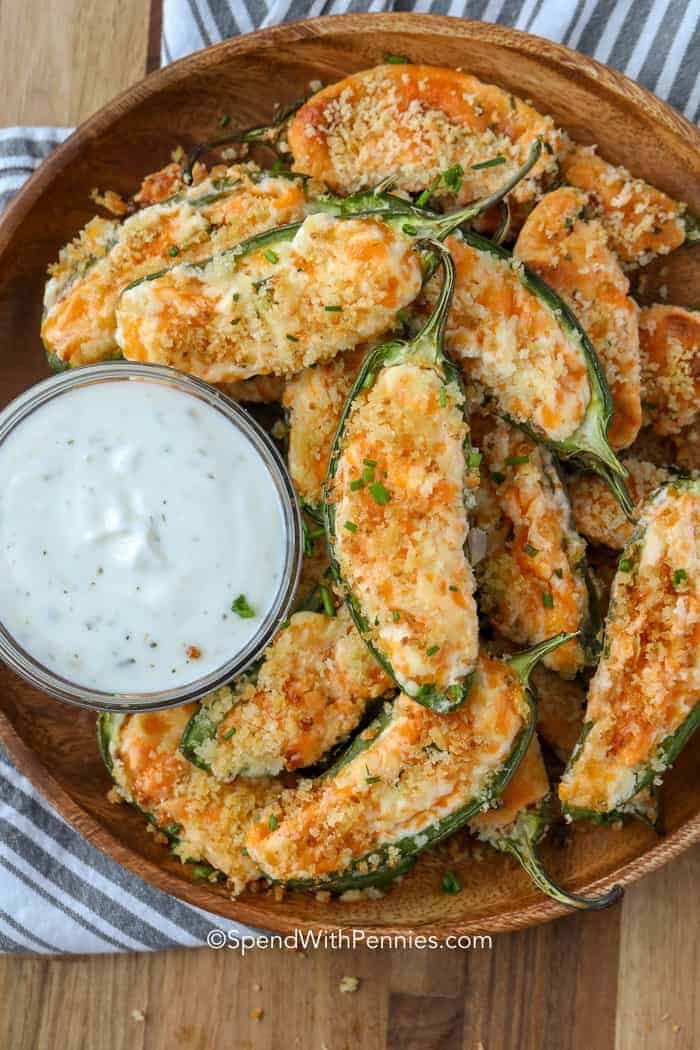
[(135, 134), (62, 60), (624, 979)]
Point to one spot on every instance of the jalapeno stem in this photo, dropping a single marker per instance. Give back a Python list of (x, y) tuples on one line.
[(524, 663), (266, 133), (522, 844)]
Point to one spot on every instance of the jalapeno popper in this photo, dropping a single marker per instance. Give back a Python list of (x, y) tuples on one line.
[(520, 823), (640, 221), (644, 699), (314, 402), (396, 517), (670, 351), (570, 252), (423, 125), (204, 820), (79, 325), (523, 351), (408, 781), (596, 514), (292, 297), (310, 692), (531, 570)]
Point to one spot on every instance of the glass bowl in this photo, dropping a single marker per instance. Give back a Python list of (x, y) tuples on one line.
[(37, 674)]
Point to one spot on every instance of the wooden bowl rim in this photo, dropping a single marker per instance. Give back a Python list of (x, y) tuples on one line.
[(252, 911)]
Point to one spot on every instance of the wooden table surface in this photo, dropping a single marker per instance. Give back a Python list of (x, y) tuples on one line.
[(626, 978)]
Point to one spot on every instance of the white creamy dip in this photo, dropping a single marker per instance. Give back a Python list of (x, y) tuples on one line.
[(132, 517)]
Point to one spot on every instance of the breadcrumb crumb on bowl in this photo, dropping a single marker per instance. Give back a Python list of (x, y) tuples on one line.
[(136, 134)]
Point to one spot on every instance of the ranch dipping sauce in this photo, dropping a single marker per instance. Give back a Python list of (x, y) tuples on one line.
[(143, 539)]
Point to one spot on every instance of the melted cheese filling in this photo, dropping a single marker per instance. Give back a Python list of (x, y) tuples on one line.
[(648, 680), (277, 309), (420, 769), (310, 692), (403, 552), (212, 819)]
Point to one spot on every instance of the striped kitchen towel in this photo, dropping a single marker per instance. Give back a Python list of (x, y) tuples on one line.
[(57, 893)]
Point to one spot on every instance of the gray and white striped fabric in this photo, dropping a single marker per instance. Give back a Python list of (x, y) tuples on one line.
[(57, 893)]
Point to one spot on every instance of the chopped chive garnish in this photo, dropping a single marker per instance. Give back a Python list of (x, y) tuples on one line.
[(292, 338), (679, 577), (453, 177), (369, 779), (333, 309), (327, 601), (559, 573), (474, 459), (547, 599), (370, 462), (425, 196), (515, 461), (396, 60), (357, 484), (242, 608), (396, 615), (224, 121), (409, 230), (379, 493), (367, 474), (442, 397), (350, 526), (173, 251), (625, 565), (453, 588), (202, 871), (493, 163), (229, 733), (497, 476), (272, 822), (432, 650), (450, 883), (530, 550), (271, 256)]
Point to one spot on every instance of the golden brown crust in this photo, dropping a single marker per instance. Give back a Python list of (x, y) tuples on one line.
[(640, 221), (670, 351), (414, 122), (570, 252), (530, 581), (598, 515), (400, 535)]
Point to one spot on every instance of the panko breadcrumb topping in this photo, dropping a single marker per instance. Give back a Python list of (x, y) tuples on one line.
[(597, 514), (510, 344), (401, 525), (415, 122), (670, 351), (81, 297), (531, 580), (419, 769), (640, 220), (569, 250), (648, 680), (208, 820), (276, 309), (314, 400), (310, 692)]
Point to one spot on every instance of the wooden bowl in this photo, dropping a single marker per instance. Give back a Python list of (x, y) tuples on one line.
[(54, 745)]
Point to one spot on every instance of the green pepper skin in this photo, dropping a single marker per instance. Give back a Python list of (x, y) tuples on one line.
[(521, 839), (649, 773), (425, 349), (386, 865), (588, 445)]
